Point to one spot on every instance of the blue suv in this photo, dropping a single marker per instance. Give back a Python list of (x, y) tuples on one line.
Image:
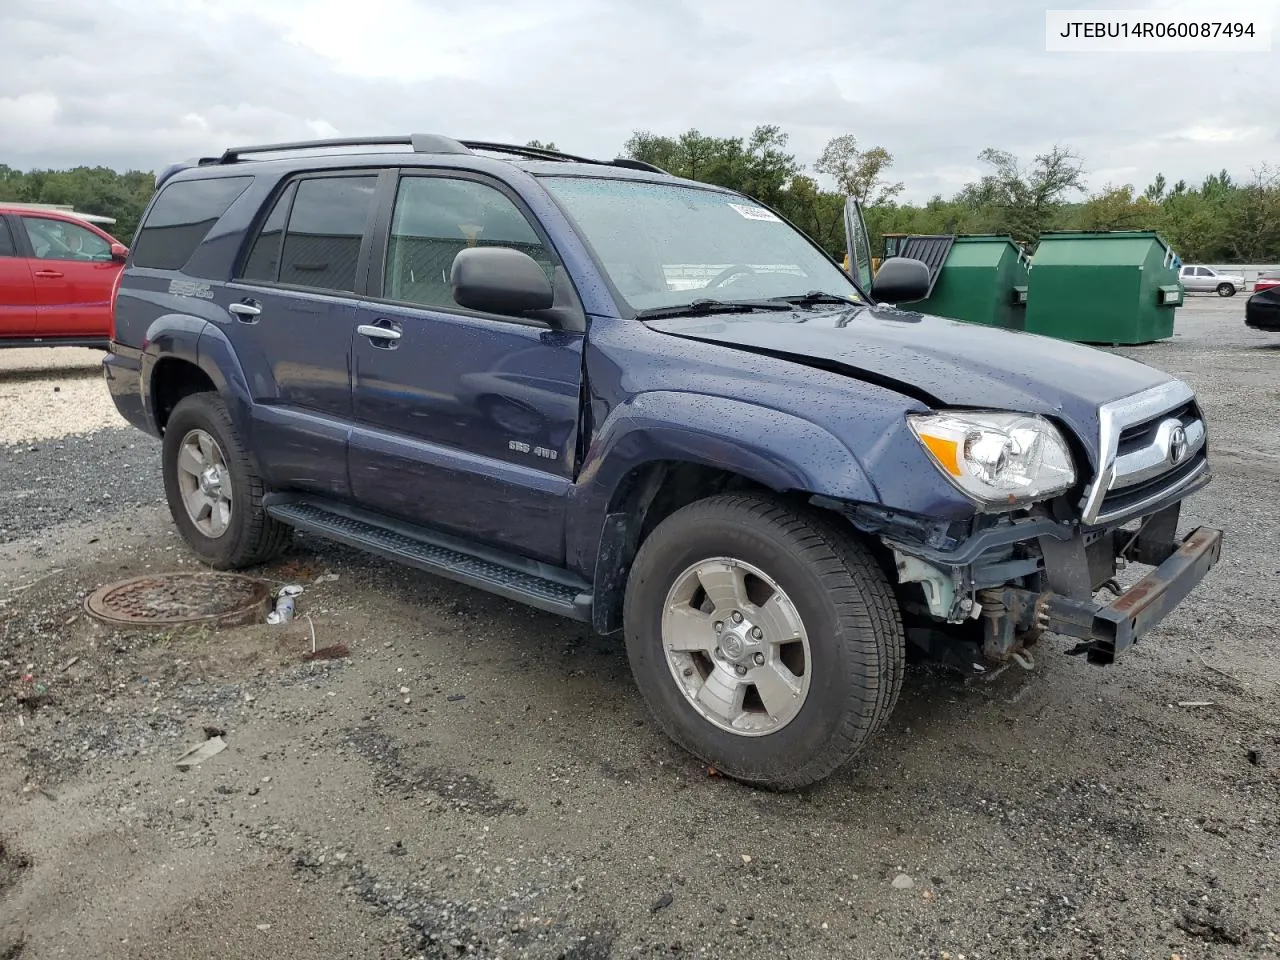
[(654, 406)]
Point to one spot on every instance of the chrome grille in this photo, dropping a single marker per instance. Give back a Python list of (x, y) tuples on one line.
[(1152, 446)]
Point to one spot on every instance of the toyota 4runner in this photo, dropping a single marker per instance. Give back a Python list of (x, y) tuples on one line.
[(650, 405)]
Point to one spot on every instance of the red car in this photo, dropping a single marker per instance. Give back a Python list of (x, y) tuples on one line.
[(1266, 281), (57, 274)]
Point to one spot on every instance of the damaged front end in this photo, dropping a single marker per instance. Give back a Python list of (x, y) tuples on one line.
[(977, 592), (1053, 567), (976, 595)]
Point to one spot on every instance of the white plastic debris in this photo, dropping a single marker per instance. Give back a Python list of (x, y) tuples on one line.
[(199, 754)]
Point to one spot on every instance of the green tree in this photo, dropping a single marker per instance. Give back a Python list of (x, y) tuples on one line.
[(817, 212), (1116, 208), (858, 173), (1027, 201), (97, 190), (758, 165), (1251, 219)]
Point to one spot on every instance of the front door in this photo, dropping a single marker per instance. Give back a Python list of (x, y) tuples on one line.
[(291, 314), (17, 289), (858, 243), (463, 421), (73, 273)]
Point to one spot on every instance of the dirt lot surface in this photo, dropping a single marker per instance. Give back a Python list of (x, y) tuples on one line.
[(477, 779), (53, 392)]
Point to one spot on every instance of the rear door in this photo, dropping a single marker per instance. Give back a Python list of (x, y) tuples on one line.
[(73, 273), (293, 307), (17, 289), (466, 422)]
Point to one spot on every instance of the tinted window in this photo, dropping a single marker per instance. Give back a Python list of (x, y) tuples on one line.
[(263, 260), (181, 218), (434, 219), (7, 249), (59, 240), (326, 227)]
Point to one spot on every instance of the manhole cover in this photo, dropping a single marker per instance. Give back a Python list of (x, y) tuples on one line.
[(173, 599)]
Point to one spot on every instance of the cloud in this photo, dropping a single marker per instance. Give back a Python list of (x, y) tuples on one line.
[(141, 84)]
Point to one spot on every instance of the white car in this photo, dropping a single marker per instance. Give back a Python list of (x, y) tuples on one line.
[(1207, 279)]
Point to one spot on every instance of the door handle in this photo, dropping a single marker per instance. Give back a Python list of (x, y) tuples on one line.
[(245, 311), (49, 274), (375, 332)]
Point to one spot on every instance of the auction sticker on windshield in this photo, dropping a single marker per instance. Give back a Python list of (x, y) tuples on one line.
[(755, 213)]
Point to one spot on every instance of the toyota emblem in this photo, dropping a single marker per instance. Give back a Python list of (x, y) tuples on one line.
[(1178, 445)]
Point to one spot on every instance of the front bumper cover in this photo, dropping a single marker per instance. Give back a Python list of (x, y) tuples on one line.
[(1105, 629)]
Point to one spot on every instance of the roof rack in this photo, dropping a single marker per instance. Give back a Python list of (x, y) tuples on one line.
[(542, 153), (638, 165), (420, 142), (426, 143), (529, 153)]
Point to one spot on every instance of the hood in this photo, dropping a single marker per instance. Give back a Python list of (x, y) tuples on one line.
[(943, 363)]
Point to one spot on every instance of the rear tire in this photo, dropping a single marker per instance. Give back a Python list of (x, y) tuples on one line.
[(214, 489), (717, 694), (1226, 290)]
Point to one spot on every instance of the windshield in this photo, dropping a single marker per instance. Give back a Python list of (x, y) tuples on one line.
[(667, 245)]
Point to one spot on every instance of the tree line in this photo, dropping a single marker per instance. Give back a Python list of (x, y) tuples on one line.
[(1220, 220), (97, 190)]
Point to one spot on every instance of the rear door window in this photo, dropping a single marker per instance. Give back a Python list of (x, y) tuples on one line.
[(7, 247), (263, 259), (181, 218), (328, 222)]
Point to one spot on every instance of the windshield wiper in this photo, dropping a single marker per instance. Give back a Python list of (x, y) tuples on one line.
[(821, 296), (705, 306)]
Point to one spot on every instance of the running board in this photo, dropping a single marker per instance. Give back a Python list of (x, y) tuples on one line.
[(517, 578)]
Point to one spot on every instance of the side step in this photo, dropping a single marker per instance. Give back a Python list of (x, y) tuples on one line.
[(517, 578)]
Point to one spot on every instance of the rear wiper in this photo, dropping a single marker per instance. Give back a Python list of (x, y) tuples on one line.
[(712, 306), (821, 296)]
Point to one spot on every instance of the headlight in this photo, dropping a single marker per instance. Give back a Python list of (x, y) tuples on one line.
[(997, 458)]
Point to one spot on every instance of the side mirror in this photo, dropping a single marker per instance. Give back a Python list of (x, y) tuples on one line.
[(119, 251), (499, 280), (900, 280)]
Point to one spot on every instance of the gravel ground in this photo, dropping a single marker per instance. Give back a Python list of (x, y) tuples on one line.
[(75, 478), (478, 779), (50, 392)]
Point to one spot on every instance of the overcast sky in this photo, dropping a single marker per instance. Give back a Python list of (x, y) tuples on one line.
[(139, 83)]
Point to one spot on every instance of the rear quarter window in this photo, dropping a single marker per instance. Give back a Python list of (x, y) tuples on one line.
[(181, 218)]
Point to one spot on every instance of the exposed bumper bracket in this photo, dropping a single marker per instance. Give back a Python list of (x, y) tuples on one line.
[(1107, 629)]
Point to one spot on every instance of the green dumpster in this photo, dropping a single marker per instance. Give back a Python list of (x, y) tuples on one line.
[(1118, 287), (983, 280)]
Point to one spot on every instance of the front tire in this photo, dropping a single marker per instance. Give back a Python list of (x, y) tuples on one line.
[(213, 488), (1226, 290), (765, 641)]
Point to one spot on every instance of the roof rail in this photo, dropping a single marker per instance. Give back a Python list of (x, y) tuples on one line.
[(420, 142), (542, 153), (638, 165), (529, 153)]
